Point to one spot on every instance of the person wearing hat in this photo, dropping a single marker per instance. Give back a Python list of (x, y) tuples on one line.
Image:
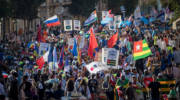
[(128, 74), (137, 85)]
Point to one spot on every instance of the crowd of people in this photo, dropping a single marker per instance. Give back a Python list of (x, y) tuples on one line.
[(26, 82)]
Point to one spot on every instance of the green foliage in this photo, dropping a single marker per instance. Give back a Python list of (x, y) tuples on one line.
[(25, 9), (82, 7), (4, 8), (174, 5), (129, 5)]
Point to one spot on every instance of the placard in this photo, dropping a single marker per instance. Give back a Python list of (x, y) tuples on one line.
[(110, 57), (44, 47), (112, 25), (117, 20), (68, 25), (77, 25)]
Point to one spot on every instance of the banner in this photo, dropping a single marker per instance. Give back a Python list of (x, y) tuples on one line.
[(68, 25), (110, 57), (43, 48), (77, 25)]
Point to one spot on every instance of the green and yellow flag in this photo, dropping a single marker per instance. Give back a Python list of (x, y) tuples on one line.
[(141, 50)]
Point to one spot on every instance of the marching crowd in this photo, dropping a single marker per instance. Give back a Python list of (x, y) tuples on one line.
[(25, 81)]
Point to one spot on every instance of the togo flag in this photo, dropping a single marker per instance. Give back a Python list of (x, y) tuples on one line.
[(141, 50)]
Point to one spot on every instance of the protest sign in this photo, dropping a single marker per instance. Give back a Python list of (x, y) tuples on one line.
[(68, 25), (113, 56), (117, 19), (43, 48), (77, 25), (110, 57), (112, 26)]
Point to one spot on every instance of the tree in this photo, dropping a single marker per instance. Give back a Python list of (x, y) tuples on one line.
[(129, 5), (82, 7), (25, 9), (173, 5), (4, 8)]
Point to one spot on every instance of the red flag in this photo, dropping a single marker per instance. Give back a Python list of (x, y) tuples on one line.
[(112, 41), (147, 81), (41, 61), (39, 34), (92, 43)]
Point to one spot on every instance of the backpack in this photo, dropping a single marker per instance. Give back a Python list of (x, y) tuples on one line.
[(105, 85)]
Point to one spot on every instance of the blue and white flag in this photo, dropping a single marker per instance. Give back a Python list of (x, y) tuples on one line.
[(55, 63), (50, 58), (91, 19)]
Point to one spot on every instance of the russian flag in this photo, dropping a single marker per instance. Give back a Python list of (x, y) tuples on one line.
[(41, 61), (91, 19), (5, 75), (52, 21)]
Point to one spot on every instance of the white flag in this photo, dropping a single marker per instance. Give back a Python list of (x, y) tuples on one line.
[(95, 67)]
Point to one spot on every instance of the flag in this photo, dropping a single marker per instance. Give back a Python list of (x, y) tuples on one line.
[(79, 56), (147, 81), (161, 16), (36, 50), (52, 21), (91, 19), (5, 75), (39, 34), (144, 20), (55, 64), (82, 42), (112, 41), (92, 43), (94, 67), (41, 61), (50, 58), (31, 45), (165, 84), (108, 18), (141, 50), (61, 63), (75, 52)]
